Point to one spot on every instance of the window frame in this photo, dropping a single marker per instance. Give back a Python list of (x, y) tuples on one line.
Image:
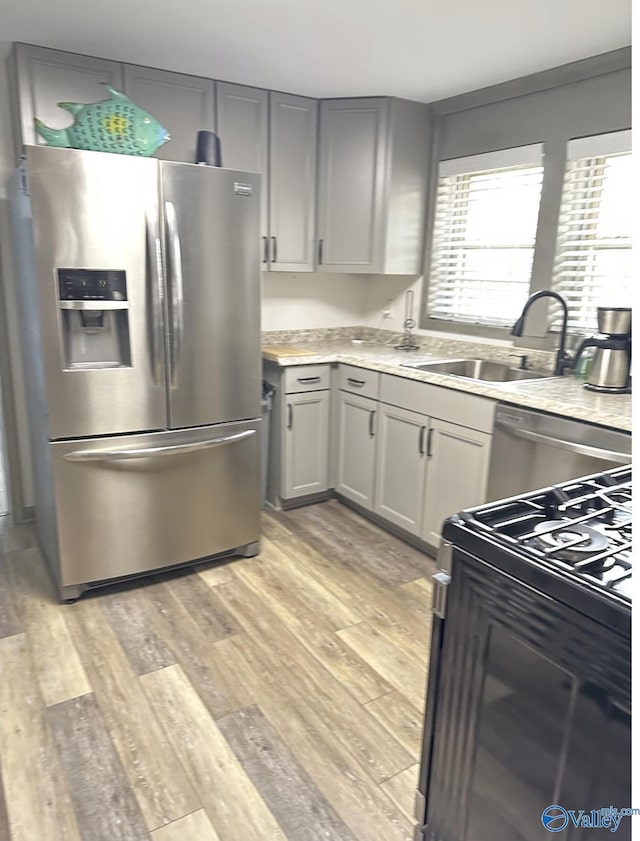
[(539, 322), (484, 161), (602, 145)]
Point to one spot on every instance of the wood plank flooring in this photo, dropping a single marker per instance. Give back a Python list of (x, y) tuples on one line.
[(277, 697)]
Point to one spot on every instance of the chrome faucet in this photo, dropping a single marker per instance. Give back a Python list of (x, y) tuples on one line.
[(563, 360)]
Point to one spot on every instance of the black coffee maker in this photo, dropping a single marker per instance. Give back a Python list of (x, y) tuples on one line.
[(610, 369)]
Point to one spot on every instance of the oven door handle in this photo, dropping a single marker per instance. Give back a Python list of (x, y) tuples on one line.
[(569, 446)]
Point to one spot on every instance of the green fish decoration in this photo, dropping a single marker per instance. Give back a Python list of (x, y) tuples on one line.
[(115, 124)]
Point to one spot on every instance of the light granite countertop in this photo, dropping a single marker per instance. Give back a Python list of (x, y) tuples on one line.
[(564, 396)]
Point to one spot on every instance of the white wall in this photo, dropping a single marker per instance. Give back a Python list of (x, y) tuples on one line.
[(386, 294), (309, 300)]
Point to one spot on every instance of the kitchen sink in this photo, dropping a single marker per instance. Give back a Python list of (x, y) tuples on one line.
[(484, 370)]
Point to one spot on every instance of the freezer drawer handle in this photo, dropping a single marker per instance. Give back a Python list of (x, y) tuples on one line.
[(177, 289), (151, 452), (569, 446)]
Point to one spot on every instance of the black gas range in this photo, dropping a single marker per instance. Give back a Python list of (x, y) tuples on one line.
[(529, 694)]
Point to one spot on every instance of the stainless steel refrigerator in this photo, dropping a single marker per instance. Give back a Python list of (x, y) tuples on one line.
[(140, 305)]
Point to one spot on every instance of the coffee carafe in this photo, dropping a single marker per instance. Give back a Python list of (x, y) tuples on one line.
[(610, 369)]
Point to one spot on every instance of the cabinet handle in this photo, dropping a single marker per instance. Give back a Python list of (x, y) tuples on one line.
[(274, 250), (429, 442), (308, 379), (289, 416), (320, 246), (423, 429), (355, 382), (265, 249), (372, 415)]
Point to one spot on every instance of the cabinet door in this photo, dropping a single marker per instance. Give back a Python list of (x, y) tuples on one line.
[(243, 125), (356, 447), (305, 445), (350, 184), (400, 467), (46, 77), (183, 104), (458, 463), (293, 128)]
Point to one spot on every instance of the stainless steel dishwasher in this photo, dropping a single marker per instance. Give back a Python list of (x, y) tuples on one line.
[(532, 449)]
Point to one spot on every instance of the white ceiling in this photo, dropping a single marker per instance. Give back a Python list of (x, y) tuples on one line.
[(418, 49)]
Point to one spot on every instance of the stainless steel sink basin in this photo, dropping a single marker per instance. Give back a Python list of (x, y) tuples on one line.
[(484, 370)]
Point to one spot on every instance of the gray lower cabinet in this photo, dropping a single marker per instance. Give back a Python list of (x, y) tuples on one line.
[(372, 185), (357, 423), (458, 463), (43, 78), (183, 104), (305, 444), (400, 467)]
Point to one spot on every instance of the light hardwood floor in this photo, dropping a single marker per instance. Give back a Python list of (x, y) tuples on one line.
[(276, 698)]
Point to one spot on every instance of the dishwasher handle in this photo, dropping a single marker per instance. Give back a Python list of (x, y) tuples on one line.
[(569, 446)]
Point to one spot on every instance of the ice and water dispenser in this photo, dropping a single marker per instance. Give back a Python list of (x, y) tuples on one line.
[(95, 318)]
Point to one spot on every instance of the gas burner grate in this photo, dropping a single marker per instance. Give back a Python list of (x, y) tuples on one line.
[(582, 527)]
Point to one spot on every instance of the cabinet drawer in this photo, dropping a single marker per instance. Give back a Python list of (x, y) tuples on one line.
[(307, 378), (359, 381)]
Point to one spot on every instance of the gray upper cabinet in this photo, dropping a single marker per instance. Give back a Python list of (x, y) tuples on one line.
[(372, 185), (366, 164), (183, 104), (293, 129), (44, 77), (243, 128), (276, 135), (350, 183)]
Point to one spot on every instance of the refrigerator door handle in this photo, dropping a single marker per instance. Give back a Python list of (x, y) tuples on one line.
[(156, 296), (176, 285), (152, 452)]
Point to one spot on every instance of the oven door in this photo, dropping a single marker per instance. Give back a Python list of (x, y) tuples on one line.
[(533, 450), (530, 706), (129, 504)]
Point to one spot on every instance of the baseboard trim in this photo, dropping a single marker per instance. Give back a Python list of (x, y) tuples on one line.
[(396, 531)]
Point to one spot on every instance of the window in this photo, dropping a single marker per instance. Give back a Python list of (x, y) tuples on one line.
[(484, 236), (593, 252)]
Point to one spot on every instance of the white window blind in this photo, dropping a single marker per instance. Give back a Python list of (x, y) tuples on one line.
[(484, 235), (593, 253)]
